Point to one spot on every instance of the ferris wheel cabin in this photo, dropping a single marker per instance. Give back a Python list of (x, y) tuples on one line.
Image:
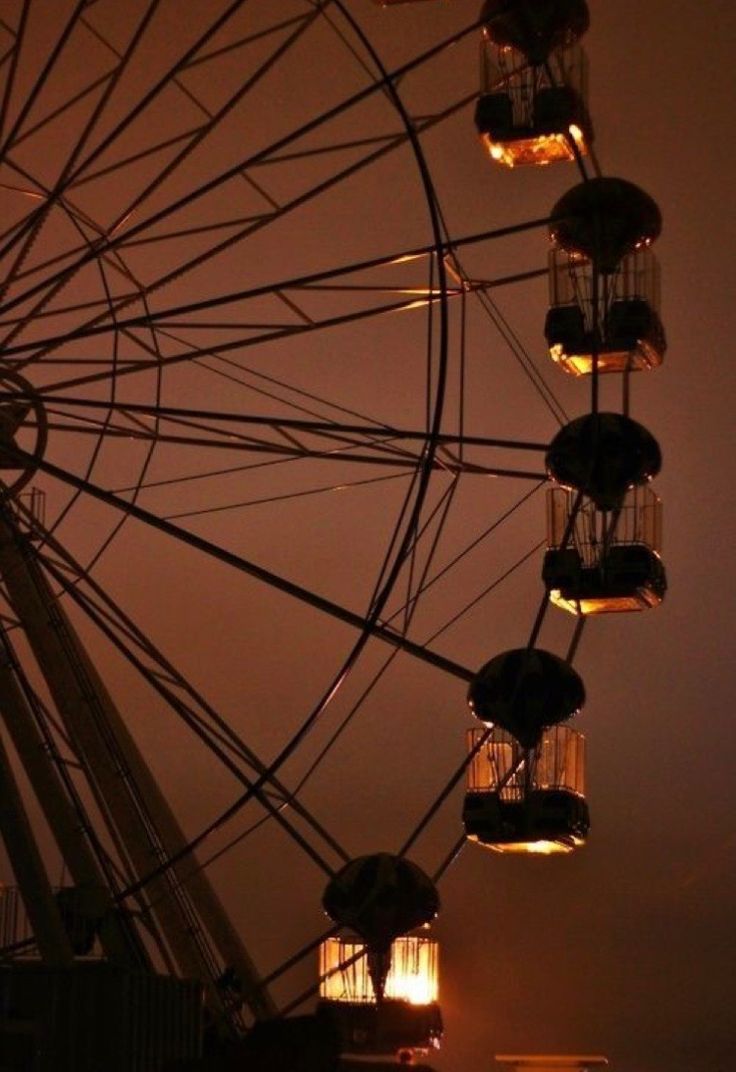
[(532, 107), (527, 800), (612, 562), (615, 322), (408, 1017), (524, 119)]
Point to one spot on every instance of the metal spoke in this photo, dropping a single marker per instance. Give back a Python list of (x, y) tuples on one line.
[(116, 239), (241, 564), (15, 53), (189, 414), (299, 282)]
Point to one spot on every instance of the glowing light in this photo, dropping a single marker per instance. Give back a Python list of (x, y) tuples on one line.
[(642, 599), (539, 149), (541, 847), (33, 194), (415, 987), (412, 978), (406, 257), (644, 356), (412, 305), (535, 848)]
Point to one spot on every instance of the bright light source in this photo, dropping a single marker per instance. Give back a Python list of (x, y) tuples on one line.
[(413, 976)]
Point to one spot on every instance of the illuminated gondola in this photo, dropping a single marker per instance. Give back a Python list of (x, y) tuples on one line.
[(604, 279), (526, 800), (618, 322), (611, 562), (406, 1018), (532, 104)]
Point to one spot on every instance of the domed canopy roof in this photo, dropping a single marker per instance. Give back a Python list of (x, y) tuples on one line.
[(603, 455), (381, 897), (534, 27), (604, 219), (524, 691)]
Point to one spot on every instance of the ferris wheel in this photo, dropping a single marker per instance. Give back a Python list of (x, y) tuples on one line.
[(255, 391)]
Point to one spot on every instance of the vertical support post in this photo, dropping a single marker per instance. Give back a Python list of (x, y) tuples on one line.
[(119, 943), (29, 871), (124, 787), (626, 400), (83, 711), (595, 333)]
